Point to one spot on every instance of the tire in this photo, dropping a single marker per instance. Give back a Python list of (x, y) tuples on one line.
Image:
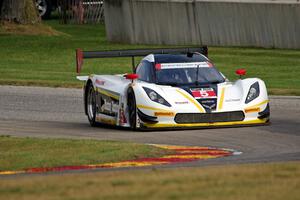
[(131, 103), (44, 8), (91, 106)]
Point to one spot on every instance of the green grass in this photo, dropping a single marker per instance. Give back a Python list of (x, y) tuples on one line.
[(50, 60), (21, 153), (248, 182)]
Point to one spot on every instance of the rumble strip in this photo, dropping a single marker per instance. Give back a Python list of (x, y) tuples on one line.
[(182, 154)]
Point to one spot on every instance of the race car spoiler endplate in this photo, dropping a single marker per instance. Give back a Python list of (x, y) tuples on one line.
[(80, 55)]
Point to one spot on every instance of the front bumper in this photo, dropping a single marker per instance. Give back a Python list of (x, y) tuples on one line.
[(161, 119)]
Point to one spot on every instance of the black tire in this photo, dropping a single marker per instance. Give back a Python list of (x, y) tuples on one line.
[(91, 106), (131, 103), (44, 8)]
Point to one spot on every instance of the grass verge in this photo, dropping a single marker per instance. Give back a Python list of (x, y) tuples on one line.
[(21, 153), (256, 181), (50, 60)]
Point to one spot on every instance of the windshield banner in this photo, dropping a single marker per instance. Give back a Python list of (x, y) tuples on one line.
[(184, 65)]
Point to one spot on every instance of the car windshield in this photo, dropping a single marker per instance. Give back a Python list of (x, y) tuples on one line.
[(187, 74)]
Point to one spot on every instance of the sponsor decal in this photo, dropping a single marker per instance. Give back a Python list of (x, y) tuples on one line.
[(100, 82), (160, 66), (167, 114), (181, 102), (232, 100), (201, 93), (181, 154)]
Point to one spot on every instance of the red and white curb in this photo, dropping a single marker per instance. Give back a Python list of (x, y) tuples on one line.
[(182, 154)]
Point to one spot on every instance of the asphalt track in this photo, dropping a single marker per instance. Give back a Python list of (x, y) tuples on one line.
[(58, 113)]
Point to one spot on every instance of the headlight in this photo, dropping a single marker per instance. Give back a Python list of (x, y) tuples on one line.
[(253, 92), (154, 96)]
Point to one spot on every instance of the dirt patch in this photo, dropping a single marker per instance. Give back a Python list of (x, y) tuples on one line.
[(28, 29)]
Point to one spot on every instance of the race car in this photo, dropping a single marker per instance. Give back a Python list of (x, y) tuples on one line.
[(171, 88)]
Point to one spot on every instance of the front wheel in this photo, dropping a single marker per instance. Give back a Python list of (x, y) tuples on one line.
[(131, 103), (91, 105)]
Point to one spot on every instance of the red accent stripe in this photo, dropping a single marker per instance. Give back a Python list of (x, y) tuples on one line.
[(206, 153), (63, 168), (79, 60), (196, 149), (169, 160)]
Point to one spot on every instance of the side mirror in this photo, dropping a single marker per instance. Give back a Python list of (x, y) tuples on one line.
[(240, 72), (131, 77)]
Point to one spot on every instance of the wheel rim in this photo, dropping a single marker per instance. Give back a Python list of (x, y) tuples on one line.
[(91, 104), (41, 6)]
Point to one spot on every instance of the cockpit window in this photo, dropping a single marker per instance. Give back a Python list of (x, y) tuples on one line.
[(145, 71)]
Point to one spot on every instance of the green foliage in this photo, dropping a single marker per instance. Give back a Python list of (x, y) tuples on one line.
[(50, 60), (274, 181), (21, 153)]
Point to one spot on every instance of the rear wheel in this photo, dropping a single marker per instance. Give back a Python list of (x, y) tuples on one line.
[(131, 103), (91, 105)]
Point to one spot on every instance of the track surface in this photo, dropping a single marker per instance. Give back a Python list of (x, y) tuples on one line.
[(57, 112)]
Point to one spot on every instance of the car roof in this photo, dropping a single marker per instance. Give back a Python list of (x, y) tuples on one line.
[(175, 58)]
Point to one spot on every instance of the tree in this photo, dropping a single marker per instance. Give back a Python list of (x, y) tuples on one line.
[(19, 11)]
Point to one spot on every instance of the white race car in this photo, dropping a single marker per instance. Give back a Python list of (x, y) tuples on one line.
[(171, 88)]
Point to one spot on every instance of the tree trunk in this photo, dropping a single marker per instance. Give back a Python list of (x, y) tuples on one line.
[(19, 11)]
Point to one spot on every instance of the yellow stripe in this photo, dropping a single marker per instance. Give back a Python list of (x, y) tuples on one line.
[(252, 110), (192, 100), (220, 107), (172, 147), (104, 92), (257, 105), (131, 164), (106, 121), (11, 172), (152, 108), (256, 121), (193, 156)]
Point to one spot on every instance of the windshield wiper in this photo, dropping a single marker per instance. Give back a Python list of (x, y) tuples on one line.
[(168, 83)]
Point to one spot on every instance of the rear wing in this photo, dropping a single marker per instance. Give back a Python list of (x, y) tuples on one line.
[(80, 55)]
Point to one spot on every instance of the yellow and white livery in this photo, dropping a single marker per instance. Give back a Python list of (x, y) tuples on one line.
[(172, 88)]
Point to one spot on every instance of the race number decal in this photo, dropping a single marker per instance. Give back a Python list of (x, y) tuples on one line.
[(203, 93)]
